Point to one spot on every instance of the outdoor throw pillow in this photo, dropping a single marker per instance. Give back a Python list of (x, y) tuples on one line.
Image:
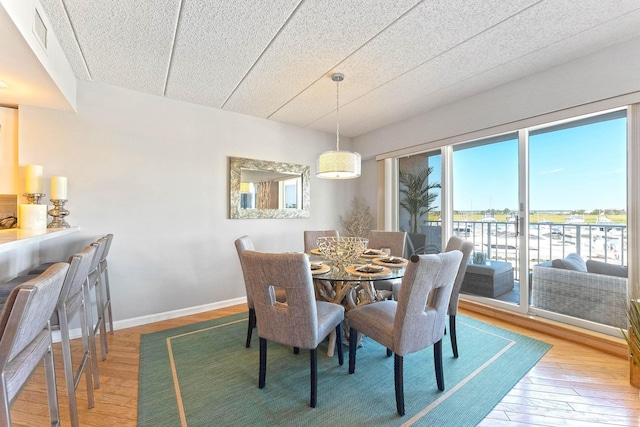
[(598, 267), (570, 262)]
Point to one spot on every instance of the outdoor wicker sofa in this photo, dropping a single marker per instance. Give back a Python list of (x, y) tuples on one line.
[(586, 295)]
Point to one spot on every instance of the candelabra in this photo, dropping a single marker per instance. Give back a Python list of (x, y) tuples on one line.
[(58, 213), (34, 198)]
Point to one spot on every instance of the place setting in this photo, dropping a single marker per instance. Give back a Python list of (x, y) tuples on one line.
[(373, 253), (368, 270), (391, 261), (318, 267)]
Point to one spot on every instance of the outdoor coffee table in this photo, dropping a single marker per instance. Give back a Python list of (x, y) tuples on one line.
[(488, 280)]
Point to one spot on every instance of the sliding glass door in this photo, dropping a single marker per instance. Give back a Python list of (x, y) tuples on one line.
[(419, 181), (485, 204), (530, 202), (577, 196)]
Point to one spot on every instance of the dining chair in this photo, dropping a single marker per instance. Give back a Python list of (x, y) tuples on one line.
[(415, 321), (244, 243), (311, 237), (303, 322), (393, 240), (466, 247), (25, 339)]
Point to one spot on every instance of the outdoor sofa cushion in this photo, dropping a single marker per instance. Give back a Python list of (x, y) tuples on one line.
[(599, 267), (570, 262)]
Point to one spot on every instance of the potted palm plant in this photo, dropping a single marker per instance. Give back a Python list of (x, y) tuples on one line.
[(632, 337), (416, 196)]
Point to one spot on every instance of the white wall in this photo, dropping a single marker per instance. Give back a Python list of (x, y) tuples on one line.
[(154, 172)]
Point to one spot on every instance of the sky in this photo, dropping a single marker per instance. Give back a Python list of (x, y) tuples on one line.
[(576, 168)]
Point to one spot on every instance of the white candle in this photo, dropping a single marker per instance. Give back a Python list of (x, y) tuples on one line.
[(58, 188), (33, 179), (33, 217)]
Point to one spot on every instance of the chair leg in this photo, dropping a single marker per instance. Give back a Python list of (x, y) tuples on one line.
[(68, 368), (398, 374), (313, 362), (101, 327), (5, 408), (296, 350), (452, 328), (263, 362), (437, 357), (108, 301), (353, 344), (92, 338), (52, 393), (339, 344), (87, 360), (69, 375), (252, 323), (389, 352)]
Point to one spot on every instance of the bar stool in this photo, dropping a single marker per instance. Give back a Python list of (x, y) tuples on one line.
[(104, 276), (72, 302), (98, 280), (25, 339), (94, 282)]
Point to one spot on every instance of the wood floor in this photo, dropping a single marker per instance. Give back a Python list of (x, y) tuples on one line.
[(570, 386)]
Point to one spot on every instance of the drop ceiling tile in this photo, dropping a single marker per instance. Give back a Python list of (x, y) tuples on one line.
[(126, 43), (274, 58), (318, 36), (479, 55), (62, 28), (218, 43), (427, 31)]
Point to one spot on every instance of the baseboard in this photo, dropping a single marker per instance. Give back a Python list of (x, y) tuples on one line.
[(157, 317), (605, 343)]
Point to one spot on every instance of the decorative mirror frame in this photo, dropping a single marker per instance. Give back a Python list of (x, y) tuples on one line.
[(236, 164)]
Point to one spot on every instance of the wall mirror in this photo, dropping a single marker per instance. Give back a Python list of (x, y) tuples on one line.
[(264, 189)]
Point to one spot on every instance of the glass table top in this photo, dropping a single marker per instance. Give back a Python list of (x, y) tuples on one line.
[(351, 274)]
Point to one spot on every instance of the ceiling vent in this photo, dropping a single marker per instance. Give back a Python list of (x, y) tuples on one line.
[(40, 29)]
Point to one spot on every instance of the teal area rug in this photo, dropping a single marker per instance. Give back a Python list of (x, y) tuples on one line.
[(202, 375)]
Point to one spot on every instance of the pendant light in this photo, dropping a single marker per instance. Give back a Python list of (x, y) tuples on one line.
[(338, 164)]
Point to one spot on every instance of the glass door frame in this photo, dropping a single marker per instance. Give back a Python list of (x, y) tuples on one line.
[(633, 205)]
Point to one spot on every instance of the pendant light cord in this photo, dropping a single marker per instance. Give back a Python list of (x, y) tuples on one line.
[(337, 115)]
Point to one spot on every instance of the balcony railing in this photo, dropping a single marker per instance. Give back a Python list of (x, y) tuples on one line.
[(547, 241)]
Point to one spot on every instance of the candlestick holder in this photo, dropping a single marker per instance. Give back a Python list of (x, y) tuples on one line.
[(58, 213), (34, 198)]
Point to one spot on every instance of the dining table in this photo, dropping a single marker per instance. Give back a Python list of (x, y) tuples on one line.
[(353, 285)]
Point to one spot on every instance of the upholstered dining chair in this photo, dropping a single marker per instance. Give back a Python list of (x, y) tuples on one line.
[(244, 243), (414, 322), (25, 339), (310, 238), (303, 322), (466, 247), (393, 240)]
